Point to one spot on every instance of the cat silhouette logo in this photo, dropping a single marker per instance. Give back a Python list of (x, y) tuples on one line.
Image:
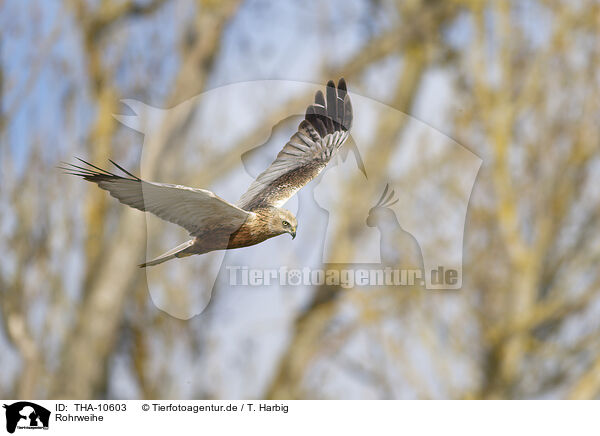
[(26, 415)]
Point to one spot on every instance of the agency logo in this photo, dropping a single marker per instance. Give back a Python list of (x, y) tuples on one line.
[(26, 415), (395, 205)]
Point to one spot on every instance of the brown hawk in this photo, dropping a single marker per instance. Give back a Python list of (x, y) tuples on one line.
[(216, 224)]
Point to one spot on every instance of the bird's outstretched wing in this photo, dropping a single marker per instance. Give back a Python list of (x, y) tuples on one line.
[(196, 210), (324, 129)]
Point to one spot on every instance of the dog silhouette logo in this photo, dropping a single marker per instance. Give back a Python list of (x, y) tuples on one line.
[(26, 415)]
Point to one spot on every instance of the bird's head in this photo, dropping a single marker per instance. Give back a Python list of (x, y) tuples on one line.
[(284, 221)]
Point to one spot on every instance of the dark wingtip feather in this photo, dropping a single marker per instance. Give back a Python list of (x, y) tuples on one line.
[(310, 115), (319, 98), (93, 166), (348, 114), (123, 169), (92, 173), (320, 126), (332, 109), (331, 96), (79, 171)]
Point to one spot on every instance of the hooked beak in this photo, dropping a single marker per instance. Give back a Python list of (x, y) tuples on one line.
[(293, 233)]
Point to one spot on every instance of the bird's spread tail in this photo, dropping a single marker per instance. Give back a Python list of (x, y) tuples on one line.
[(178, 251)]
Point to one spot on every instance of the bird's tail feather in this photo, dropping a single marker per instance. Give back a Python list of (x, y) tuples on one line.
[(171, 254)]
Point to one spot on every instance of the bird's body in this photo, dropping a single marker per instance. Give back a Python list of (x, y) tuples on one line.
[(216, 224), (256, 229)]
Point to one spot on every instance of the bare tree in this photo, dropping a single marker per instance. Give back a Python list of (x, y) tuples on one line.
[(76, 316)]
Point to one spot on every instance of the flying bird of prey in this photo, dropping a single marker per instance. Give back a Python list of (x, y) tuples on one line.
[(216, 224)]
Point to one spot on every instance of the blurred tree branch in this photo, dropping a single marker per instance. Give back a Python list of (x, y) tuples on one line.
[(524, 98), (111, 277), (312, 323)]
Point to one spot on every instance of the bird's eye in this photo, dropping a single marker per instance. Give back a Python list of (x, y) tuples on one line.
[(285, 224)]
